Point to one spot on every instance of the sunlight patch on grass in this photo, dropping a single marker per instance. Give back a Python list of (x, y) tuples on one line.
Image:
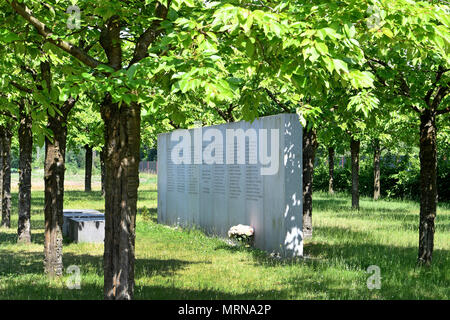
[(176, 263)]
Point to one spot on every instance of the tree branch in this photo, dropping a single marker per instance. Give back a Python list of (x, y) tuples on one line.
[(416, 109), (226, 115), (374, 70), (69, 104), (8, 114), (110, 42), (278, 103), (442, 92), (46, 74), (30, 71), (45, 32), (150, 35), (404, 88), (439, 74), (174, 125), (446, 110), (20, 87), (230, 112)]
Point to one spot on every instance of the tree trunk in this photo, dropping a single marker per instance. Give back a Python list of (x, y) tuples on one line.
[(2, 173), (309, 153), (6, 169), (54, 169), (428, 185), (331, 170), (55, 153), (376, 170), (354, 146), (88, 169), (122, 142), (102, 170), (26, 152)]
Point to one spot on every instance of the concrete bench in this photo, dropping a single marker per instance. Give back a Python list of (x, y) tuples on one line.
[(87, 229), (77, 213)]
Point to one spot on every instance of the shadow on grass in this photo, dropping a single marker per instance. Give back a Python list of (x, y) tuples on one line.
[(263, 258), (332, 233), (6, 237), (94, 291), (407, 221), (20, 263), (358, 250), (342, 263), (37, 236), (355, 249), (15, 265), (440, 226), (78, 195), (176, 293), (331, 205), (339, 273)]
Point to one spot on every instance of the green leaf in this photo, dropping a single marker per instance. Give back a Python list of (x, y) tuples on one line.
[(387, 32), (340, 65), (131, 71), (321, 47)]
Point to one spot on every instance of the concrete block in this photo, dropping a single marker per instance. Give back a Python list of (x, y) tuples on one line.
[(90, 229), (77, 213)]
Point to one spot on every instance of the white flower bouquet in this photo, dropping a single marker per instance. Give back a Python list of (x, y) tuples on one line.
[(243, 234)]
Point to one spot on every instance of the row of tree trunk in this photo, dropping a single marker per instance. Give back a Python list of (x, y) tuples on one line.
[(54, 170), (355, 170), (310, 145), (25, 148), (122, 142), (428, 180)]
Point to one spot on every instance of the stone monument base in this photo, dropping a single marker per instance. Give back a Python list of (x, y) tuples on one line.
[(90, 229)]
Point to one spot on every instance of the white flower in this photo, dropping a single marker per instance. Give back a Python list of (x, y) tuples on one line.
[(241, 230)]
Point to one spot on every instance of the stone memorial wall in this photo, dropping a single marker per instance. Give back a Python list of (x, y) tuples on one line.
[(205, 180)]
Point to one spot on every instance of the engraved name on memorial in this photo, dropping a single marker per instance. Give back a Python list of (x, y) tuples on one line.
[(237, 173)]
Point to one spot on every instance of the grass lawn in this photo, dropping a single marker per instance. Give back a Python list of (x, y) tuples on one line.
[(185, 264)]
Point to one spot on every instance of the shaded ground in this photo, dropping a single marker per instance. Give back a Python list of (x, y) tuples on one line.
[(186, 264)]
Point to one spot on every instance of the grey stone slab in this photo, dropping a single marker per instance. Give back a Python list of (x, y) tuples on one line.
[(90, 229), (77, 213), (216, 197)]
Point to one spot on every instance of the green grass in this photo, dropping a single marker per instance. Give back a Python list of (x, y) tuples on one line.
[(186, 264)]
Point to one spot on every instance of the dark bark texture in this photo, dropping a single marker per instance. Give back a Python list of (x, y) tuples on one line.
[(354, 147), (428, 186), (54, 169), (102, 170), (4, 218), (331, 170), (428, 165), (25, 157), (6, 177), (55, 152), (310, 145), (376, 170), (122, 142), (122, 139), (88, 169)]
